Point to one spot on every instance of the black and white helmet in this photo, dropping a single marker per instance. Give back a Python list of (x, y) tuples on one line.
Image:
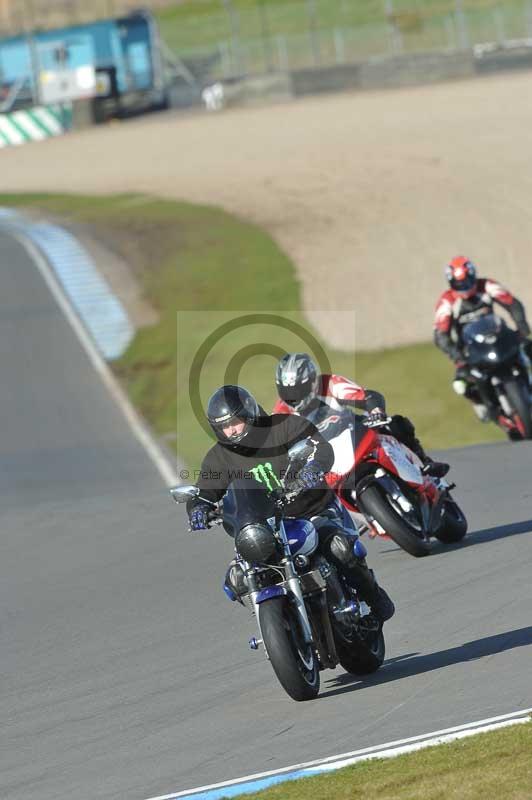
[(297, 380), (228, 405)]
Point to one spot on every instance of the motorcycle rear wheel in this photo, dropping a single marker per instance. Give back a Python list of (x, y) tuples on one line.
[(293, 660), (362, 656), (373, 502)]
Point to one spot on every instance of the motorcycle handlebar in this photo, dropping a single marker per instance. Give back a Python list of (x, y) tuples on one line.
[(377, 423)]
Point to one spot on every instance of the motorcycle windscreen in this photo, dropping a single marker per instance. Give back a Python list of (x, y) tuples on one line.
[(489, 340), (246, 501), (487, 326)]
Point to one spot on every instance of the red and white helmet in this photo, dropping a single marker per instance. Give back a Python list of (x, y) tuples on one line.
[(461, 275)]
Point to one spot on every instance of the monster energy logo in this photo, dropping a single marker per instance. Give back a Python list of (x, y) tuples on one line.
[(264, 474)]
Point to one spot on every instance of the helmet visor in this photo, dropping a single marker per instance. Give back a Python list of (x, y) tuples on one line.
[(465, 284), (297, 396), (232, 429)]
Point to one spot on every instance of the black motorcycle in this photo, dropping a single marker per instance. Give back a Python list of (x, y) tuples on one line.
[(309, 618), (499, 369)]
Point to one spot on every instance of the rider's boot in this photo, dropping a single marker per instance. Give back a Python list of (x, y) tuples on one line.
[(403, 429), (482, 412), (359, 576), (371, 593)]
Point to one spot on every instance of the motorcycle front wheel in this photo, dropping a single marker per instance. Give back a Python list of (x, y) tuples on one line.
[(293, 660), (375, 503)]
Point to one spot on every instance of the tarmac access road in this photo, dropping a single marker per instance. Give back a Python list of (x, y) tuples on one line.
[(126, 673)]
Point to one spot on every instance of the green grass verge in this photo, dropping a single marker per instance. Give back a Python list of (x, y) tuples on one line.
[(202, 24), (198, 266), (488, 765)]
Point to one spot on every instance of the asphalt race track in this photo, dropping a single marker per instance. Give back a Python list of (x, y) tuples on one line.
[(125, 671)]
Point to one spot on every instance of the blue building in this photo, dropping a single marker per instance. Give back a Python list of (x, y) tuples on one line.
[(124, 52)]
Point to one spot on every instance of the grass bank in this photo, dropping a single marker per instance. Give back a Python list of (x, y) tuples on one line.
[(192, 24), (495, 764), (199, 267)]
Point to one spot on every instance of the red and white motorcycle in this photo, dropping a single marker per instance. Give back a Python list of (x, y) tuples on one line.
[(378, 476)]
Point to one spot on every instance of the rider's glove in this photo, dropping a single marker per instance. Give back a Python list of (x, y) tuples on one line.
[(199, 517), (455, 354), (377, 415), (311, 476)]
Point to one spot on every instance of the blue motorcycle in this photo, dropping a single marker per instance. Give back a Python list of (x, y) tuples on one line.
[(309, 618)]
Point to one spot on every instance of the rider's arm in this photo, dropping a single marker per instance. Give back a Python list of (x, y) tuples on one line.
[(507, 300), (442, 327), (349, 393), (445, 343), (213, 479), (373, 401)]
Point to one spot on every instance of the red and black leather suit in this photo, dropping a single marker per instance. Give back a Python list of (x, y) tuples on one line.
[(453, 311)]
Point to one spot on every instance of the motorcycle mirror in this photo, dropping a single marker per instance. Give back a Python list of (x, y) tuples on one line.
[(183, 493), (301, 450)]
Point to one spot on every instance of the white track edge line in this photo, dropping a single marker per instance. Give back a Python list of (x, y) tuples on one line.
[(414, 746), (385, 750), (156, 454)]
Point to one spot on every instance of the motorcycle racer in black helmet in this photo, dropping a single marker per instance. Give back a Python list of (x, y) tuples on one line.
[(231, 412), (252, 444)]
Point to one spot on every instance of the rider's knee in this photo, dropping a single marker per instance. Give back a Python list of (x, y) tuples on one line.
[(401, 427), (346, 550)]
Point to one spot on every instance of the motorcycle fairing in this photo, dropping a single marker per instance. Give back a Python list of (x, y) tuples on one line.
[(343, 452), (401, 460)]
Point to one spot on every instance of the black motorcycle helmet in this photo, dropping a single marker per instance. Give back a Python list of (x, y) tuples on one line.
[(231, 404), (297, 380)]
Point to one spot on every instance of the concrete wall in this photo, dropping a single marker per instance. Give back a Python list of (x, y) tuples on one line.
[(327, 79), (386, 72), (379, 73), (414, 69), (503, 61)]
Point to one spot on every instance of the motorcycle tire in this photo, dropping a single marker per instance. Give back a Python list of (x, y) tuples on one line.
[(373, 502), (518, 398), (363, 656), (453, 525), (293, 660)]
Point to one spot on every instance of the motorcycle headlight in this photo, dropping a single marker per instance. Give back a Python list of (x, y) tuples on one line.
[(256, 542)]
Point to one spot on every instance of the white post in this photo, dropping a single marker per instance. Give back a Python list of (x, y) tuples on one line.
[(225, 57), (528, 18), (339, 46), (282, 53), (451, 33), (461, 24), (395, 33), (498, 20)]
